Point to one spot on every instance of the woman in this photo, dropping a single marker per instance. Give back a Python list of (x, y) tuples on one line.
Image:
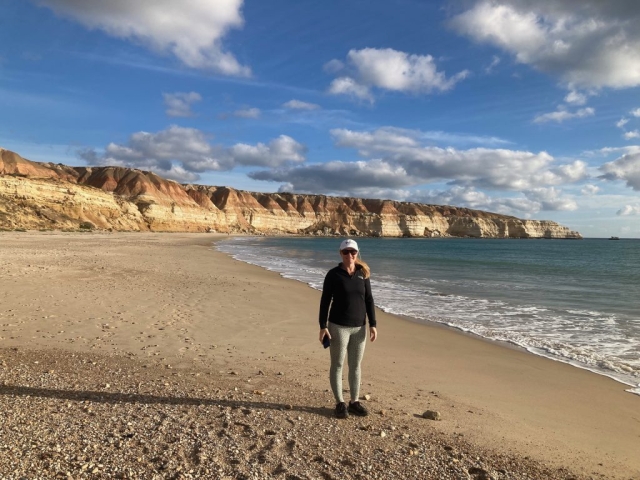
[(347, 290)]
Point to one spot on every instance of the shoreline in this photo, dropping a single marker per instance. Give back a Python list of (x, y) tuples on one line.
[(142, 297), (634, 388), (512, 345)]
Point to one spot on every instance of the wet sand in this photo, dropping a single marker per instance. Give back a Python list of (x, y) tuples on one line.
[(169, 302)]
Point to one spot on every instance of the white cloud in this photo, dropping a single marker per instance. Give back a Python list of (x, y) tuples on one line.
[(182, 153), (343, 178), (179, 104), (472, 198), (333, 66), (632, 134), (494, 63), (571, 172), (629, 134), (625, 168), (192, 30), (587, 43), (551, 199), (628, 210), (490, 168), (562, 115), (406, 136), (397, 159), (348, 86), (605, 151), (286, 188), (589, 190), (368, 142), (392, 70), (456, 138), (622, 122), (575, 98), (300, 105), (179, 174), (158, 151), (247, 113), (283, 149), (529, 203)]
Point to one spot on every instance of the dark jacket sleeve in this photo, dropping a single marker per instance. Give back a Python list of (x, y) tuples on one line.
[(368, 300), (325, 300)]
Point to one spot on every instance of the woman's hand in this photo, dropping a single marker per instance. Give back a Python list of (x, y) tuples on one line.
[(324, 332), (373, 333)]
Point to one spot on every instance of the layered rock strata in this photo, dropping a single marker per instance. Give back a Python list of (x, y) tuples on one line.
[(53, 196)]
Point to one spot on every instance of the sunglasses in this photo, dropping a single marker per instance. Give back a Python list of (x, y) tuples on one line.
[(349, 252)]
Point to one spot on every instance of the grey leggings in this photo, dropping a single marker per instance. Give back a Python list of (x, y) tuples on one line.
[(349, 340)]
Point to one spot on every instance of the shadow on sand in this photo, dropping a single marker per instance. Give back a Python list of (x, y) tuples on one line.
[(112, 398)]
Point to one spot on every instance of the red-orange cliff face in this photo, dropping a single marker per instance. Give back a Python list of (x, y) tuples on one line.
[(13, 164), (45, 195), (128, 182)]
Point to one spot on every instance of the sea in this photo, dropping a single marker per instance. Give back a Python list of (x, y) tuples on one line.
[(573, 301)]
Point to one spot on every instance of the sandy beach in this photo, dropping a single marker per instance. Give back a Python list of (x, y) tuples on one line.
[(154, 356)]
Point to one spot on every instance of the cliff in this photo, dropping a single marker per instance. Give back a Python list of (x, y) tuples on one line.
[(53, 196)]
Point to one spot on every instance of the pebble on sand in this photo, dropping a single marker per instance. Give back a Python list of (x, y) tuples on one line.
[(431, 415)]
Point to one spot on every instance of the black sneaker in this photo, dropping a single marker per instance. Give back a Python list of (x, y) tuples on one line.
[(358, 409), (341, 410)]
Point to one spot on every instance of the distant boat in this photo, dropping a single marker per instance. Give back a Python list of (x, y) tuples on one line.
[(614, 238)]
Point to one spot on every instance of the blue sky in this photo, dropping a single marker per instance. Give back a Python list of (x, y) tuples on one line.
[(529, 108)]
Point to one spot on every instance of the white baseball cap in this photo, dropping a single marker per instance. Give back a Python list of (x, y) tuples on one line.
[(348, 243)]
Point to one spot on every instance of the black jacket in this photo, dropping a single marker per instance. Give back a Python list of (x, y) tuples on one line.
[(350, 299)]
